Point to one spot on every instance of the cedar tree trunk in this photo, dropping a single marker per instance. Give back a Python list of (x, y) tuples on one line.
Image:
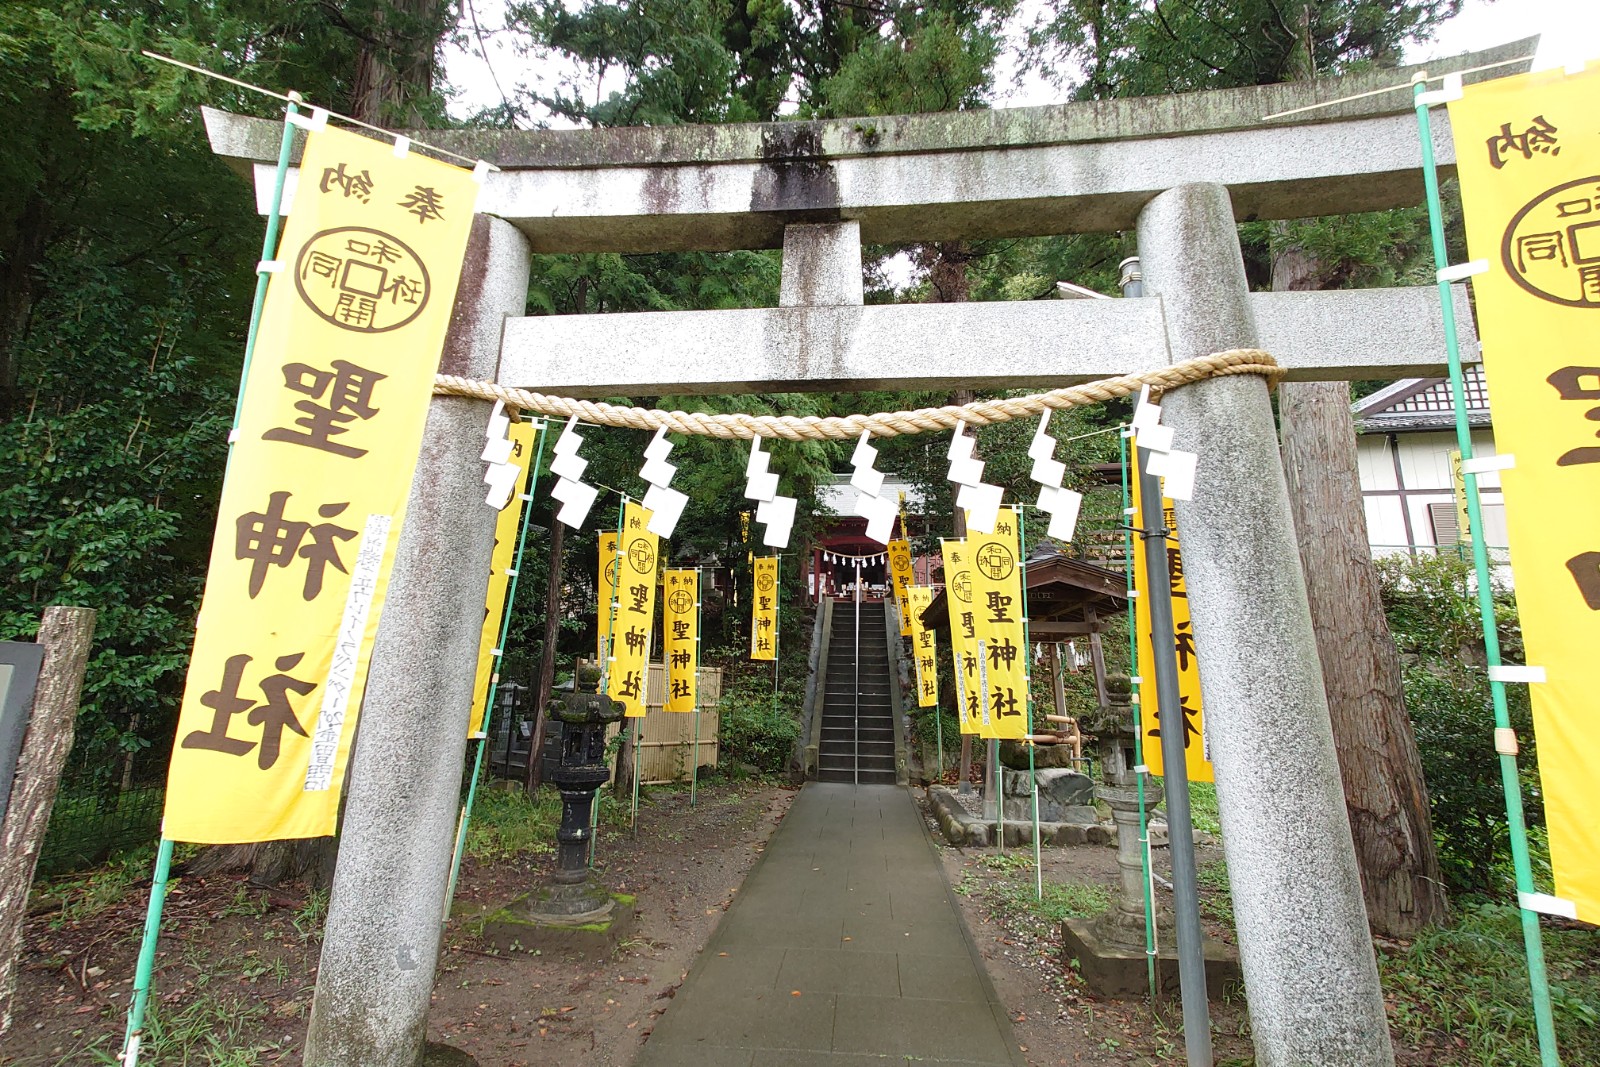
[(1383, 785)]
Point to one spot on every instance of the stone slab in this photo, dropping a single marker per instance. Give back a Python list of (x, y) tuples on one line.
[(1343, 334), (1113, 971)]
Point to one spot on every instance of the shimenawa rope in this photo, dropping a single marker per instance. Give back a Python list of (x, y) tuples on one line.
[(883, 424)]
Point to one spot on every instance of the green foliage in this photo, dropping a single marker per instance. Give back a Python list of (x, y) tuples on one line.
[(76, 897), (1436, 626), (118, 462), (1008, 887), (507, 823), (1461, 990), (940, 57), (1130, 48), (758, 728), (1216, 895)]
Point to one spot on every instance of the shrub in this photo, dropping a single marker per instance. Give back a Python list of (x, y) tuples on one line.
[(1433, 614), (756, 729)]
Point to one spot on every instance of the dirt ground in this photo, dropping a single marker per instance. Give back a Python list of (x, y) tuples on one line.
[(237, 965), (1058, 1020)]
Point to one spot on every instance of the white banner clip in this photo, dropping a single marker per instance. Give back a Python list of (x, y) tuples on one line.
[(1546, 904), (1484, 464), (1458, 272), (1506, 672)]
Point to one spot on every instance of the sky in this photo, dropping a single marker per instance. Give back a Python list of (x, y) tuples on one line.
[(1570, 30)]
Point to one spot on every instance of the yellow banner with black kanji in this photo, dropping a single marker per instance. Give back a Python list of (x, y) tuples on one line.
[(999, 643), (764, 609), (924, 646), (680, 637), (330, 423), (963, 630), (901, 577), (635, 610), (1528, 156), (1196, 753), (606, 595), (506, 528)]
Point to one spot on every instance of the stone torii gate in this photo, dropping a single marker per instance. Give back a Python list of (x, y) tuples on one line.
[(1181, 171)]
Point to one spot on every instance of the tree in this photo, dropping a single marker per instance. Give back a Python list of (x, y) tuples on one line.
[(1384, 789)]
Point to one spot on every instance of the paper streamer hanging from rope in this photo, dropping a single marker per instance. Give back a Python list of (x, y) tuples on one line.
[(879, 511), (575, 496), (664, 503), (774, 512), (980, 500), (1060, 504)]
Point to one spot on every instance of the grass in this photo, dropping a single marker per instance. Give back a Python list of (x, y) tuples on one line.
[(1462, 990), (84, 895), (1216, 897), (1007, 884), (212, 1031), (507, 824)]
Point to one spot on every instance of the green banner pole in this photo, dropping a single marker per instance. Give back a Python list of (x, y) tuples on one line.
[(465, 822), (777, 622), (694, 759), (1134, 686), (145, 968), (1533, 943), (605, 662), (1027, 650)]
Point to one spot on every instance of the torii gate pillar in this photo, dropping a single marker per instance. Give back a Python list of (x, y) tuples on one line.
[(380, 946), (1304, 948)]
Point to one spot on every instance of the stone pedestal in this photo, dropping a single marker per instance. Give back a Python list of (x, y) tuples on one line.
[(1124, 924), (573, 910)]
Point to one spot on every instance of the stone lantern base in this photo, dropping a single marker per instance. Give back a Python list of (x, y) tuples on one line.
[(536, 921), (1118, 970)]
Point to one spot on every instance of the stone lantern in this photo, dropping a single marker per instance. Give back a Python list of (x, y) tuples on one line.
[(584, 717), (572, 911), (1123, 925)]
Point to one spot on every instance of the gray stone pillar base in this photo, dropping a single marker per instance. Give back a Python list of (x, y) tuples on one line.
[(1119, 970)]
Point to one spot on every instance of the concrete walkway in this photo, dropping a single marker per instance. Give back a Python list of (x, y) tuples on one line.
[(842, 947)]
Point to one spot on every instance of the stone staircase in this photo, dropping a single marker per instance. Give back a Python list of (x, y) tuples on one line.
[(857, 742)]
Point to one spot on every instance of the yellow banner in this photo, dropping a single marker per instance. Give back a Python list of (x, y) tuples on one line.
[(1528, 155), (680, 612), (1002, 650), (329, 428), (1194, 743), (900, 575), (506, 529), (970, 707), (924, 647), (635, 612), (606, 595), (764, 610)]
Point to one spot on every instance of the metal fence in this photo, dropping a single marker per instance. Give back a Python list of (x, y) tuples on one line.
[(101, 811)]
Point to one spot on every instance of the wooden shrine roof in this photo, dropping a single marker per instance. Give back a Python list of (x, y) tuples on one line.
[(1066, 598)]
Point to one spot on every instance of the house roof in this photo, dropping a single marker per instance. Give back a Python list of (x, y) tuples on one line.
[(1412, 404), (1066, 596)]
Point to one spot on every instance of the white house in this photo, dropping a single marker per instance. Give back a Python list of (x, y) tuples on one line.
[(1404, 446)]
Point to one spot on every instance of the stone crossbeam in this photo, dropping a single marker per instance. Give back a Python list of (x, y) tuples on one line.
[(1347, 334), (1067, 168)]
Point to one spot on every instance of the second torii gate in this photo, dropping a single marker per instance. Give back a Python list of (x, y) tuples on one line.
[(1181, 171)]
